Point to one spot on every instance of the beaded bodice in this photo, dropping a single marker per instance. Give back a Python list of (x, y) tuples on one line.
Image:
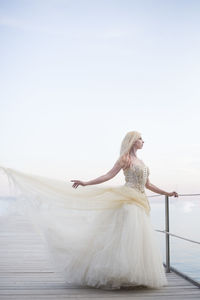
[(136, 176)]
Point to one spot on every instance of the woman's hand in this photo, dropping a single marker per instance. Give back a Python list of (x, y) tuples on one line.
[(77, 183), (175, 194)]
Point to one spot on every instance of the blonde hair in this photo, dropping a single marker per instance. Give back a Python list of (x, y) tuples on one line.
[(126, 145)]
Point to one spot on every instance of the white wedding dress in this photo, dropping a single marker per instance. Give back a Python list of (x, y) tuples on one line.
[(97, 236)]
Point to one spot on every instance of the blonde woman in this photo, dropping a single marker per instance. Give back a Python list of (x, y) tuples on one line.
[(98, 236), (128, 156)]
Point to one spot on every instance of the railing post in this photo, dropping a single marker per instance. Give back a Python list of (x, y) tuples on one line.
[(167, 235)]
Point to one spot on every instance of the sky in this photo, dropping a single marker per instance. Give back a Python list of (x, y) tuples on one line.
[(76, 76)]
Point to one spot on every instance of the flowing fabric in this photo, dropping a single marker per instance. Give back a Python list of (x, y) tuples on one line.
[(98, 236)]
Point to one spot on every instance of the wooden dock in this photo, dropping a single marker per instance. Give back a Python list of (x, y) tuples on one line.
[(26, 273)]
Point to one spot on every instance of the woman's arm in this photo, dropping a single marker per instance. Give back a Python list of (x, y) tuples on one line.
[(155, 189), (109, 175)]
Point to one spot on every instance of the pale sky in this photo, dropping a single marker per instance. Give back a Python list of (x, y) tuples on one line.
[(76, 76)]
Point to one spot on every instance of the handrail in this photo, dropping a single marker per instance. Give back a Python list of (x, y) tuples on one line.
[(178, 194), (172, 234), (178, 236), (167, 240)]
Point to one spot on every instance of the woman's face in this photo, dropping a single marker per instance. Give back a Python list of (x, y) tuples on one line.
[(139, 143)]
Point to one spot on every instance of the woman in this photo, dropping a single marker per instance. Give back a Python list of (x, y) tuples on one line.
[(126, 158), (100, 236)]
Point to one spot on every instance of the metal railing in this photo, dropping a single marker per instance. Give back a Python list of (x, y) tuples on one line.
[(167, 240)]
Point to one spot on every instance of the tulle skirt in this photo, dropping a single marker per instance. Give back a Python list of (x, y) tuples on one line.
[(98, 236)]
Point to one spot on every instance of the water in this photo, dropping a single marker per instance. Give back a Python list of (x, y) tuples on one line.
[(184, 216)]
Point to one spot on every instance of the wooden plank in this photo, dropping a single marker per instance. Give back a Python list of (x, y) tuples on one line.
[(22, 278)]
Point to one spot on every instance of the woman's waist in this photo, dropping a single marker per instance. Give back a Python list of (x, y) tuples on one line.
[(136, 186)]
